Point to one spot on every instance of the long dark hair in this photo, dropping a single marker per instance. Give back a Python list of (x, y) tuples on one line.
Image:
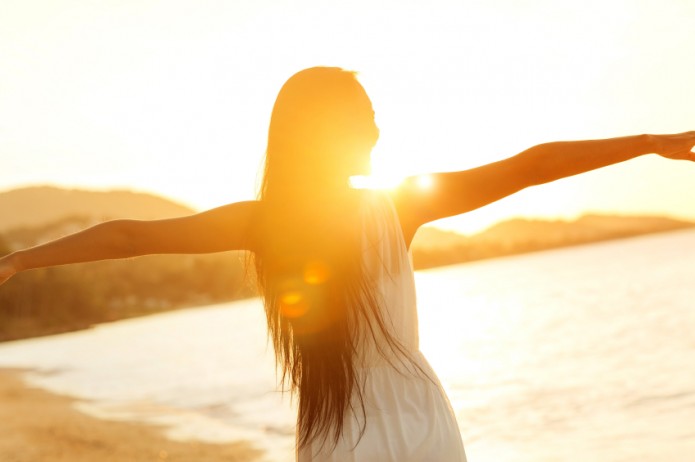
[(319, 302)]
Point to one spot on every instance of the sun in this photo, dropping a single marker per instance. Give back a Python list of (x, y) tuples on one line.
[(383, 182), (424, 181)]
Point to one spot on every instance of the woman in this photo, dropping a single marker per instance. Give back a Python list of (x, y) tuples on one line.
[(333, 268)]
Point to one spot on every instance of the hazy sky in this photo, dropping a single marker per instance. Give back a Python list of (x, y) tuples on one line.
[(174, 97)]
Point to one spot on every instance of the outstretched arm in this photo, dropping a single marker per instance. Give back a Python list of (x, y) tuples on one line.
[(217, 230), (458, 192)]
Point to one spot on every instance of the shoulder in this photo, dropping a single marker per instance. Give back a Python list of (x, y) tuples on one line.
[(412, 202)]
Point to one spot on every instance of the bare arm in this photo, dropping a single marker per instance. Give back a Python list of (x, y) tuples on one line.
[(217, 230), (459, 192)]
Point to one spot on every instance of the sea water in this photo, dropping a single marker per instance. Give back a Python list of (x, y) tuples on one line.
[(576, 354)]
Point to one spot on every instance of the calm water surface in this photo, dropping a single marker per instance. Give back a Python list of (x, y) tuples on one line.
[(585, 353)]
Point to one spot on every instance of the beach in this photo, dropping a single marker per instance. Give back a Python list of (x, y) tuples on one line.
[(38, 426), (573, 354)]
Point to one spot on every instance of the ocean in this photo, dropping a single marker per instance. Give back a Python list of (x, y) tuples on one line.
[(574, 354)]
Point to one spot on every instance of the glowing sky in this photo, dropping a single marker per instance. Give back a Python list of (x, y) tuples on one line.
[(174, 97)]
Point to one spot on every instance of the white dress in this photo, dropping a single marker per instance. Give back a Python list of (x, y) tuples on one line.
[(408, 416)]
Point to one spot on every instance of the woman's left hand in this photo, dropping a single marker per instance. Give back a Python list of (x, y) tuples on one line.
[(678, 146)]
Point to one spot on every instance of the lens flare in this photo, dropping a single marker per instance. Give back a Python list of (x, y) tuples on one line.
[(293, 304), (316, 272)]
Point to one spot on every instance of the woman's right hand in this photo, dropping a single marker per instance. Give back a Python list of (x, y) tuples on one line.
[(677, 146), (7, 269)]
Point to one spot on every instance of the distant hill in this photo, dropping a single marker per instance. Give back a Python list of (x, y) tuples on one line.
[(431, 237), (77, 296), (585, 227), (37, 206), (433, 247)]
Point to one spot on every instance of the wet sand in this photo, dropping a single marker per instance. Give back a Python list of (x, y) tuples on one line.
[(37, 426)]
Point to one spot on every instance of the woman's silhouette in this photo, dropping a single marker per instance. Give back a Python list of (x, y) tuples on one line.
[(333, 268)]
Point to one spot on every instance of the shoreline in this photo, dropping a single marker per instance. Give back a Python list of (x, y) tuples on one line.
[(38, 425)]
